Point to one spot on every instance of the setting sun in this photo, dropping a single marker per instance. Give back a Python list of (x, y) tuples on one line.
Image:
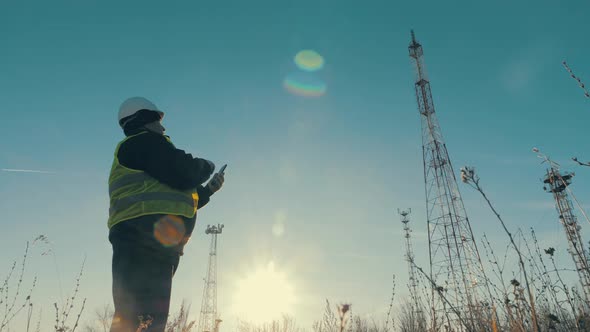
[(264, 295)]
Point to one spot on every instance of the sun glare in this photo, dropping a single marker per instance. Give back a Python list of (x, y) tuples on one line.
[(264, 295)]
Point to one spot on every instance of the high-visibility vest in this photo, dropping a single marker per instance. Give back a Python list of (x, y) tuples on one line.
[(134, 193)]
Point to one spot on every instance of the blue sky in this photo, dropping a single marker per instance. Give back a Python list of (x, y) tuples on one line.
[(332, 170)]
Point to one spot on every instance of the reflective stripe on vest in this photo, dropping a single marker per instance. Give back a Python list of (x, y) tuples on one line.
[(126, 202), (134, 193), (126, 180)]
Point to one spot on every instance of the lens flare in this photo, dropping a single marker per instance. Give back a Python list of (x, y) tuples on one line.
[(169, 230), (305, 85), (278, 228), (309, 60)]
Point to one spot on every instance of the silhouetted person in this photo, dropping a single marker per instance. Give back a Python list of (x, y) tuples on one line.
[(155, 191)]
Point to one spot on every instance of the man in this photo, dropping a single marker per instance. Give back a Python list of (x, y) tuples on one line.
[(155, 191)]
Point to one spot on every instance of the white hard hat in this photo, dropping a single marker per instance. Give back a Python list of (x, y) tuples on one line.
[(134, 104)]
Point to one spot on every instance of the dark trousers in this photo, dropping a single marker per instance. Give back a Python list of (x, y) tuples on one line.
[(142, 269)]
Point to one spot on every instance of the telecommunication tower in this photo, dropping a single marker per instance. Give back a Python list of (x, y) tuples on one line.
[(417, 311), (556, 184), (208, 319), (455, 263)]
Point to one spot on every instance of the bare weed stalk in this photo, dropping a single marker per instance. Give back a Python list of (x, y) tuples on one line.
[(8, 301), (61, 316), (469, 177)]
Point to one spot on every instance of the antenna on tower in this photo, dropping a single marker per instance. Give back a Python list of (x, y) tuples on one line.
[(209, 320), (556, 184), (556, 167)]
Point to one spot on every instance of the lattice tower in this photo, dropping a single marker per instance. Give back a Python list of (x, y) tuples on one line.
[(208, 319), (417, 307), (455, 263), (556, 184)]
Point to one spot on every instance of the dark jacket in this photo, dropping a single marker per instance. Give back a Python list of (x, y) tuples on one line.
[(153, 154)]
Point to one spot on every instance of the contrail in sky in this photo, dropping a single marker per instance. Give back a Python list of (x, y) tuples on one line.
[(25, 171)]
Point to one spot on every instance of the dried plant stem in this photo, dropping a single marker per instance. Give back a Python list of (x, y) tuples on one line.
[(549, 283), (520, 260), (577, 79), (473, 182), (499, 270), (587, 164), (389, 317), (440, 292), (342, 310), (79, 314), (70, 300), (9, 306)]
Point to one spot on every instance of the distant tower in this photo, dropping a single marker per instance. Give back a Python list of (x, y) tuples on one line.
[(208, 320), (556, 184), (455, 263), (417, 310)]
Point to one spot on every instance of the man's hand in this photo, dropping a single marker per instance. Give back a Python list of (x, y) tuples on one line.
[(216, 182), (211, 165)]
